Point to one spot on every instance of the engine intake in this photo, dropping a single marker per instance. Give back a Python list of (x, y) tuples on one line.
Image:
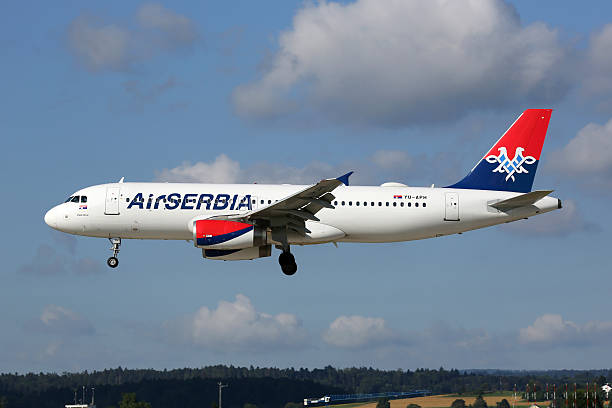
[(222, 234)]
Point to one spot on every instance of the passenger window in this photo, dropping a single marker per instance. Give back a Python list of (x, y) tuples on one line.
[(394, 204), (83, 199), (409, 204), (416, 204), (365, 203), (343, 203), (269, 201), (372, 203), (350, 203), (424, 205), (379, 204), (387, 203), (357, 203), (335, 203), (127, 199), (261, 202), (75, 199), (402, 204)]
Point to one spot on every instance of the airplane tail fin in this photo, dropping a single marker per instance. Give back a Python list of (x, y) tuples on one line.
[(511, 164)]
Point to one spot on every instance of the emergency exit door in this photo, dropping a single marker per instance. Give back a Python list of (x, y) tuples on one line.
[(112, 201), (451, 212)]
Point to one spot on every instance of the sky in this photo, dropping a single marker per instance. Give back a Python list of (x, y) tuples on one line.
[(292, 92)]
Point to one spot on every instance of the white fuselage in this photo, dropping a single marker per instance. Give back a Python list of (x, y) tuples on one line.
[(361, 213)]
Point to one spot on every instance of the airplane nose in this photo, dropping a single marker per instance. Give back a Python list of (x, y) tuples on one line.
[(51, 218)]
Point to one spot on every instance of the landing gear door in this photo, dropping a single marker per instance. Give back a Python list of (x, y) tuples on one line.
[(112, 201), (451, 208)]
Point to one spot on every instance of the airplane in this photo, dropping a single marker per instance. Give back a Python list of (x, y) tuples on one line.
[(243, 221)]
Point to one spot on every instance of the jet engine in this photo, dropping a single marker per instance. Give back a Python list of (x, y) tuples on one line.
[(238, 254), (227, 235)]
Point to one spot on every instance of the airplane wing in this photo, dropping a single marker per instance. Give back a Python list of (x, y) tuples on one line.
[(294, 210)]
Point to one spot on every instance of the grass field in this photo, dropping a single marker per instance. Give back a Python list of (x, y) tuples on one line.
[(445, 401)]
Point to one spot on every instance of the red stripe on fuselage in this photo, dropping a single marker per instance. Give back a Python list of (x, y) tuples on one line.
[(218, 227)]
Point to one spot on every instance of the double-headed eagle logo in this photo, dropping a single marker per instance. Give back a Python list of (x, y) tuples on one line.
[(510, 166)]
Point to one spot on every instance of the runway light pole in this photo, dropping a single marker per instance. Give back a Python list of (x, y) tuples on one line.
[(221, 386)]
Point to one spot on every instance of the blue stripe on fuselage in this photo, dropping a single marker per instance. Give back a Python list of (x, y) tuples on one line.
[(218, 239)]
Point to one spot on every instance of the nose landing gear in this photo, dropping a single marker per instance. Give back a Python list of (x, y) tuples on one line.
[(287, 263), (113, 261)]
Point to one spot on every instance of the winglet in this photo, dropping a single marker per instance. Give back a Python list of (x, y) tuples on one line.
[(345, 178)]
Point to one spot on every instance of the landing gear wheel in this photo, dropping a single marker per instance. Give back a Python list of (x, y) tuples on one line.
[(287, 263), (112, 262)]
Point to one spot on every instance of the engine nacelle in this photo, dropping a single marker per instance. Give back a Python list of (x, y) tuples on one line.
[(237, 254), (222, 234)]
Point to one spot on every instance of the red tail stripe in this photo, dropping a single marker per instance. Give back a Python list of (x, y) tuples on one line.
[(527, 132)]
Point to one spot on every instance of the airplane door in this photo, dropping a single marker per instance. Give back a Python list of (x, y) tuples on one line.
[(451, 211), (112, 201)]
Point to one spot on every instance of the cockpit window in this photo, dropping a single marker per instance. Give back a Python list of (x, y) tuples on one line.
[(75, 199), (68, 199), (83, 199)]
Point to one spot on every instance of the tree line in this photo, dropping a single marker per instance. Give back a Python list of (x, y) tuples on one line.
[(262, 387)]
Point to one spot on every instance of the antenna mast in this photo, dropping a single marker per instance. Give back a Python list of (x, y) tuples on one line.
[(221, 386)]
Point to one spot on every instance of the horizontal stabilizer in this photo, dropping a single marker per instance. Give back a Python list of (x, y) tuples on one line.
[(521, 201)]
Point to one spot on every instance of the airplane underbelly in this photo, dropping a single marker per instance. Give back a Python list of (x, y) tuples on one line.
[(390, 228)]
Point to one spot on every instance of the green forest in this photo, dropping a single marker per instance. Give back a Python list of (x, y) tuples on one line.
[(265, 387)]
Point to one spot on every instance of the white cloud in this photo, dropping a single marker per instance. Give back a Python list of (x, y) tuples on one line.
[(557, 223), (48, 261), (359, 331), (225, 170), (221, 170), (99, 46), (61, 321), (588, 155), (107, 46), (597, 80), (383, 165), (553, 330), (238, 326), (45, 262), (178, 28), (397, 62), (391, 159)]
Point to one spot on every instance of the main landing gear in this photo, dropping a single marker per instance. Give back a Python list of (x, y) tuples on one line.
[(113, 261), (287, 262)]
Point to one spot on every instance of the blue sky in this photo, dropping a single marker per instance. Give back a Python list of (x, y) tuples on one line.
[(288, 91)]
